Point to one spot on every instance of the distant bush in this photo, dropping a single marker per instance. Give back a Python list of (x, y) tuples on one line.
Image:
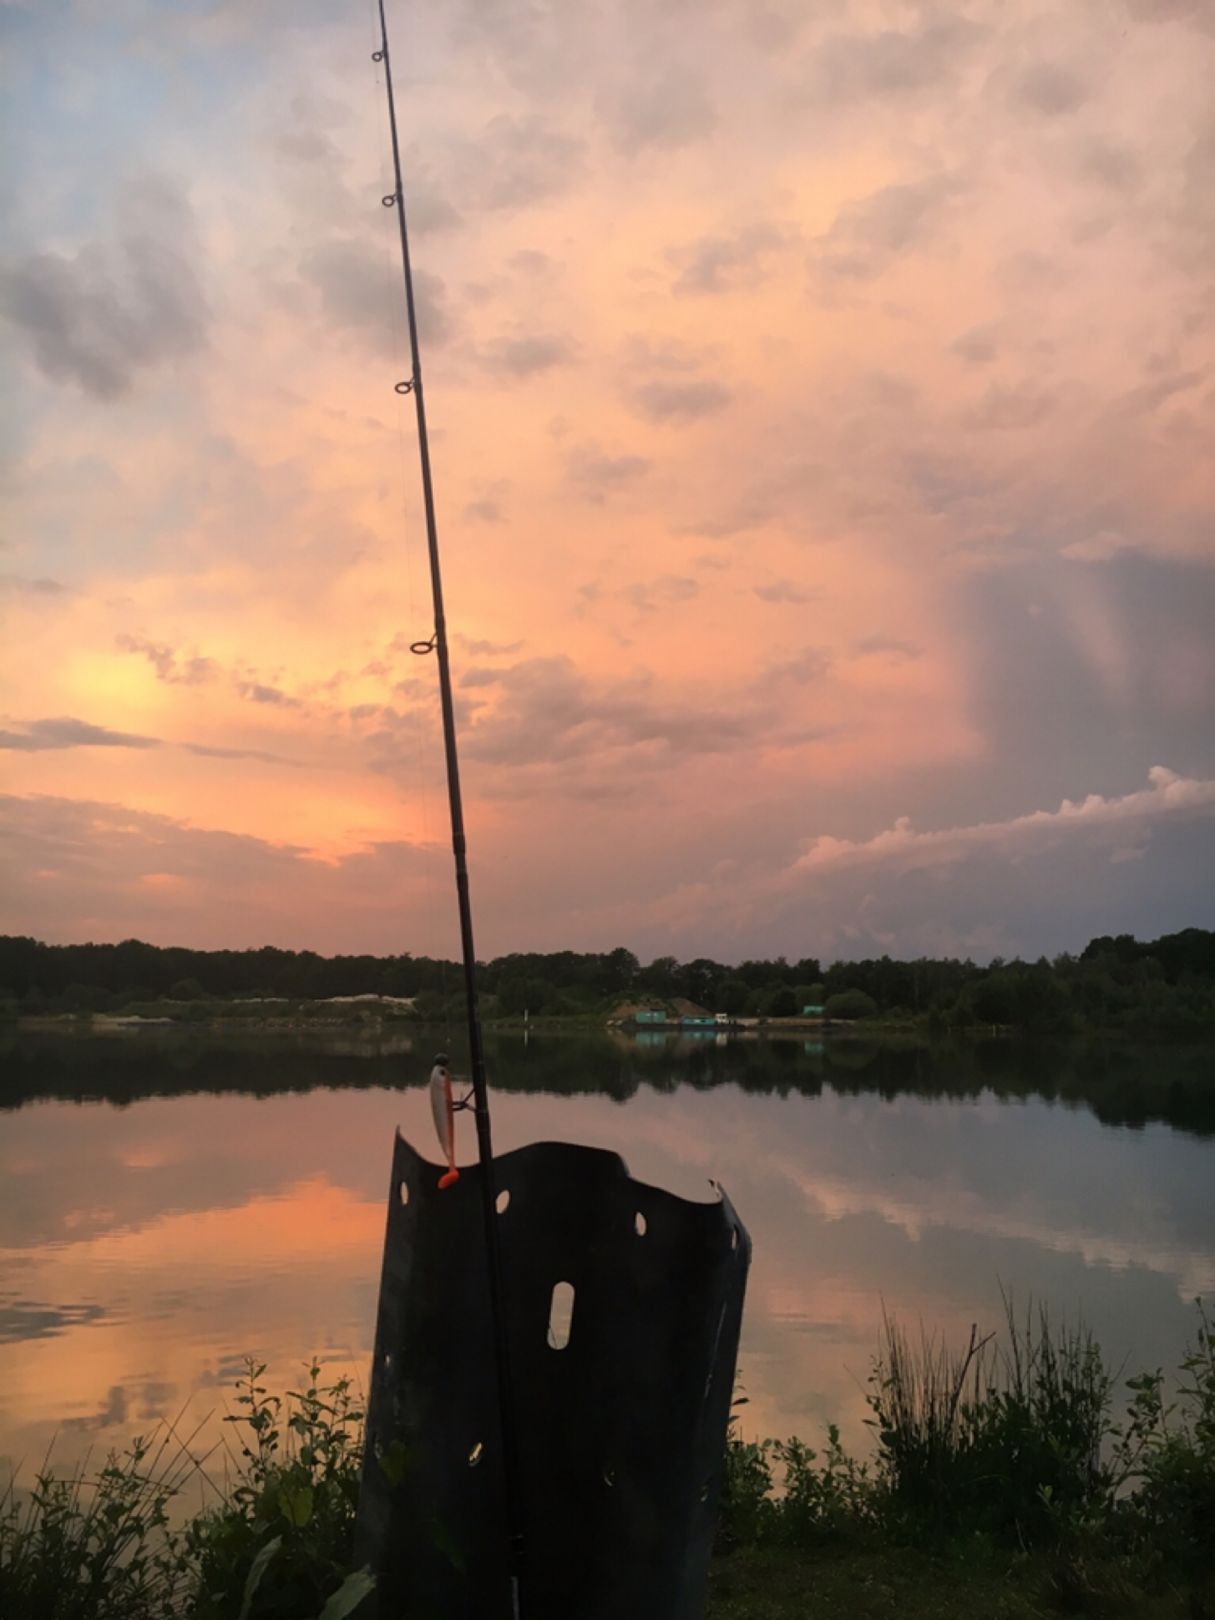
[(187, 990), (850, 1005)]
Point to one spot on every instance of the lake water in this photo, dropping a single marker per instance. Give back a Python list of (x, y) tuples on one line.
[(170, 1201)]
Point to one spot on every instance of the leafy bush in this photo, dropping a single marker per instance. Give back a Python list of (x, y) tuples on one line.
[(850, 1005), (87, 1547), (276, 1547), (282, 1540)]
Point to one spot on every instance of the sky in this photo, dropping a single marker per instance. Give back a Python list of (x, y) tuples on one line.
[(822, 400)]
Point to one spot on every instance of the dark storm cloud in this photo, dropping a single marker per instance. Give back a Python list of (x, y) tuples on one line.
[(118, 307), (40, 736), (866, 235), (529, 354), (890, 62), (1084, 673), (718, 264), (662, 112)]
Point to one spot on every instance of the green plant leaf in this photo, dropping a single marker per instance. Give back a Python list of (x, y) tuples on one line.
[(257, 1570), (295, 1504), (348, 1596)]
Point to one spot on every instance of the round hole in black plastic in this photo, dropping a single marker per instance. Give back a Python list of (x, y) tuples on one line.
[(502, 1201)]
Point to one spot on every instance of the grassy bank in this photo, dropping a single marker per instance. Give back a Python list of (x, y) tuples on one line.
[(1008, 1479)]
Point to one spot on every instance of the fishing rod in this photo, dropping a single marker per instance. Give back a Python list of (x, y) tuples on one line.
[(476, 1049)]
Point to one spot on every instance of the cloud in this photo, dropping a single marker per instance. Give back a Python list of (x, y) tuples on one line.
[(274, 695), (44, 736), (653, 595), (869, 233), (358, 294), (1098, 547), (675, 399), (977, 347), (1009, 408), (782, 590), (663, 112), (118, 307), (515, 162), (1113, 166), (40, 736), (530, 354), (168, 663), (1049, 88), (717, 264), (810, 665), (891, 63), (20, 585), (260, 755), (550, 712), (479, 648), (1168, 795), (598, 474)]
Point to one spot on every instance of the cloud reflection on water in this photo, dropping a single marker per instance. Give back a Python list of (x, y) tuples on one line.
[(147, 1248)]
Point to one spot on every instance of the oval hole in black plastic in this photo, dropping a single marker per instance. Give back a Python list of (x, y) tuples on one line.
[(502, 1201), (403, 1190), (560, 1315), (639, 1224), (475, 1455)]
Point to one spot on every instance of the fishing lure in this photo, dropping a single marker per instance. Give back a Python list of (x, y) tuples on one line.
[(443, 1107)]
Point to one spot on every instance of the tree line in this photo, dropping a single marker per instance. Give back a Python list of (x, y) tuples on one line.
[(1116, 980)]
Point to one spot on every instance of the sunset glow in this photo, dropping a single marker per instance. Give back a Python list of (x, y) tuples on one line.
[(822, 405)]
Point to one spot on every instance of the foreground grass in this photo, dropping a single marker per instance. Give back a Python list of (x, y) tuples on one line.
[(906, 1583), (1002, 1487)]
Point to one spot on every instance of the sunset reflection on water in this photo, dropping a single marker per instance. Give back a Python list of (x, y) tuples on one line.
[(147, 1248)]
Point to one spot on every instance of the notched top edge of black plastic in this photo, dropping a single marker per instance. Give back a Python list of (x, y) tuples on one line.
[(582, 1150)]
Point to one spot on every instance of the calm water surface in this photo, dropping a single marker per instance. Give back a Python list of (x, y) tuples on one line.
[(171, 1202)]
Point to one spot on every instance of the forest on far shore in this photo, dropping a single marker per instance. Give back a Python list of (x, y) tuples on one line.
[(1116, 981)]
